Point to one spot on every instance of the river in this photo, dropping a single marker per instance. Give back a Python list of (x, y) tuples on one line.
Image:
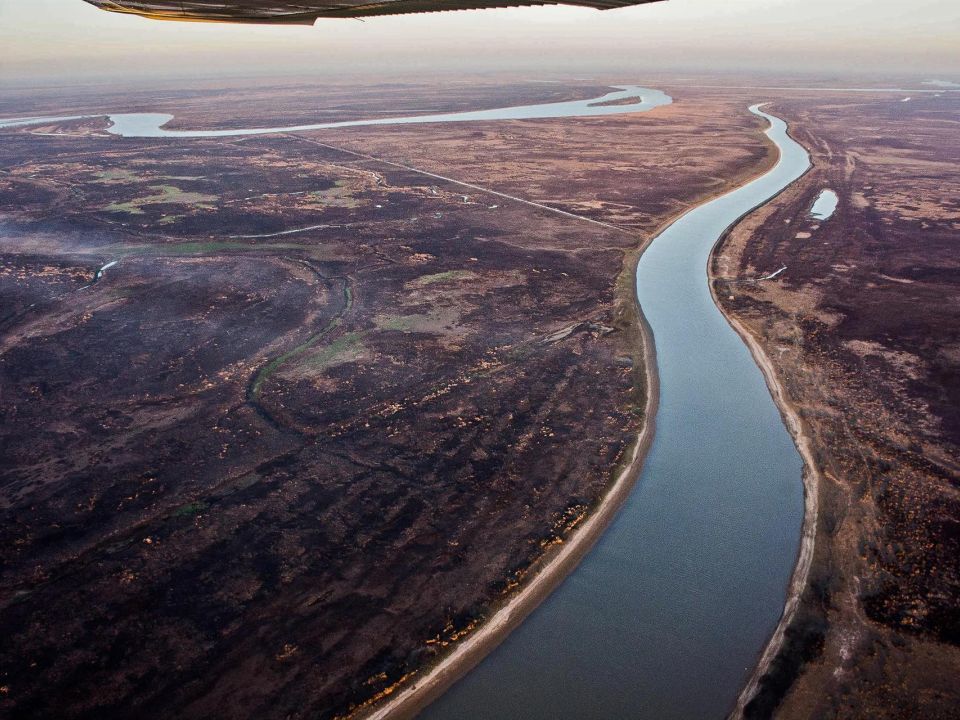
[(151, 125), (666, 616)]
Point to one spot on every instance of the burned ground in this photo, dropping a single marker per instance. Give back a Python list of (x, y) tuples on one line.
[(864, 328), (282, 419)]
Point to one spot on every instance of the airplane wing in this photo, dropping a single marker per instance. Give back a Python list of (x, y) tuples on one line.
[(305, 12)]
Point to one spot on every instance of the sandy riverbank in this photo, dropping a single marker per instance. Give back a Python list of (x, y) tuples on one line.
[(811, 487), (554, 568)]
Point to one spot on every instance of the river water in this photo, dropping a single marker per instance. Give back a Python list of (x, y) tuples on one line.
[(667, 614), (151, 125), (825, 205)]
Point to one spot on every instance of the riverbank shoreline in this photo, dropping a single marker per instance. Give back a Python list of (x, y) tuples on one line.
[(811, 501), (811, 475), (553, 571)]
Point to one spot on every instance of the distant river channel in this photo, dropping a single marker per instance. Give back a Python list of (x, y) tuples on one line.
[(623, 99), (666, 616)]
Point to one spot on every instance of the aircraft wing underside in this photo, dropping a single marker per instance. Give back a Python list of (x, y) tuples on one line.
[(305, 12)]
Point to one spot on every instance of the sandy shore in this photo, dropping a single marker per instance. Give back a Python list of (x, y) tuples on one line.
[(554, 568), (811, 485)]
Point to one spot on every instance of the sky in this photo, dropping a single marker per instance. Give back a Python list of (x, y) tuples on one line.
[(71, 41)]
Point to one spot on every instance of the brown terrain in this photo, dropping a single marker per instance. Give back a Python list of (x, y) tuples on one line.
[(327, 409), (864, 330)]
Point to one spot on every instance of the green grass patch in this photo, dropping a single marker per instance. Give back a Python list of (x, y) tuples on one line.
[(190, 509), (448, 276), (404, 323), (343, 349), (271, 367), (340, 195), (165, 195), (215, 247), (117, 176)]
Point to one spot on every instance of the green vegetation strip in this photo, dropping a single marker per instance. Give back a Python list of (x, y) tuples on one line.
[(443, 277), (166, 194), (271, 367), (206, 248)]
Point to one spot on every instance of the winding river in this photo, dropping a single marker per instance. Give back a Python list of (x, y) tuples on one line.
[(667, 615), (633, 98)]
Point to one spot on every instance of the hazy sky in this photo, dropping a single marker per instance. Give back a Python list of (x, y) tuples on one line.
[(69, 39)]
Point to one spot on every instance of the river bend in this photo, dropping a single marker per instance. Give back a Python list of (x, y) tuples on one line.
[(152, 125), (667, 615)]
